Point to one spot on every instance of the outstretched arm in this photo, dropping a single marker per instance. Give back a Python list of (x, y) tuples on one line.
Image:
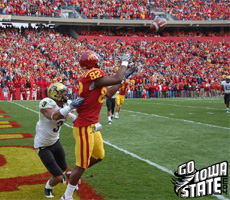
[(112, 90), (111, 80), (51, 114), (118, 77)]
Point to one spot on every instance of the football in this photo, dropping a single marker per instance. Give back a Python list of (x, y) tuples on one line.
[(158, 24)]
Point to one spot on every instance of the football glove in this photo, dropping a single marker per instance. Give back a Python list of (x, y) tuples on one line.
[(130, 72), (125, 57), (76, 103)]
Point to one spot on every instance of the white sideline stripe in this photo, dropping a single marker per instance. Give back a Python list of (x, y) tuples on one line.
[(129, 153), (176, 105), (139, 158), (35, 111), (116, 147), (183, 120)]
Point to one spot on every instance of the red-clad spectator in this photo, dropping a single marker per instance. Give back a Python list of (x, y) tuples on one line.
[(39, 93), (202, 86), (153, 90), (23, 93), (157, 91), (181, 89), (207, 89), (164, 90), (213, 89), (13, 93)]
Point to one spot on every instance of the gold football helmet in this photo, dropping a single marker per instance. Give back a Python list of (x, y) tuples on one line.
[(57, 91), (227, 79)]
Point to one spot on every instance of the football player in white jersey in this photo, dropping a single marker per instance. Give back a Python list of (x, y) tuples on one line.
[(54, 111), (226, 89)]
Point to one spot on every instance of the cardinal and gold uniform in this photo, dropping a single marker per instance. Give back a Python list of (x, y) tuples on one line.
[(120, 97), (88, 142)]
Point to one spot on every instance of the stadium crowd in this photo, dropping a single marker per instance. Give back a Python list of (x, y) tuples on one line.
[(44, 8), (194, 10), (32, 59), (148, 33), (122, 9)]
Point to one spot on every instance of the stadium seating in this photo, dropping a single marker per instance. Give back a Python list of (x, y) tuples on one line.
[(123, 9), (42, 56), (194, 10)]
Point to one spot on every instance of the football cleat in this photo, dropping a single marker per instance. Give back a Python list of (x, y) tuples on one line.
[(68, 174), (116, 116), (110, 122), (49, 193), (63, 198)]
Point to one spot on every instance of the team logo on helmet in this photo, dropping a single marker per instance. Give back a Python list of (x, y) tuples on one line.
[(89, 59), (93, 56), (56, 91)]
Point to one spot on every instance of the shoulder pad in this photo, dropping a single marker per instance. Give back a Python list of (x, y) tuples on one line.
[(47, 103)]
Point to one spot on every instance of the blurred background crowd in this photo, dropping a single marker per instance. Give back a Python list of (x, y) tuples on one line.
[(33, 57), (121, 9)]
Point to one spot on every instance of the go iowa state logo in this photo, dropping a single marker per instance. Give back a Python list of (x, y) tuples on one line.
[(23, 176)]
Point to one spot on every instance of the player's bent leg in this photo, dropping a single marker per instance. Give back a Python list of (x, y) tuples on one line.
[(94, 161), (84, 137), (76, 175), (74, 179), (117, 111), (50, 185), (55, 180), (98, 153), (50, 163)]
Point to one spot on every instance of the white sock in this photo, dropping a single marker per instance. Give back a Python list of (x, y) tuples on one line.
[(116, 113), (48, 185), (109, 118), (227, 109), (69, 191)]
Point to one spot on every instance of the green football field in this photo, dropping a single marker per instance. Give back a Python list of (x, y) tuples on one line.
[(145, 146)]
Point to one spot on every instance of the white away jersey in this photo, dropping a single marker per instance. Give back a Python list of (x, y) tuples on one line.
[(47, 131), (226, 87)]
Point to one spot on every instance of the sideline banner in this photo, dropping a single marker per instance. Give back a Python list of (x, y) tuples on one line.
[(5, 17)]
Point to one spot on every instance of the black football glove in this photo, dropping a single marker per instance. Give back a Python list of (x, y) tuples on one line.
[(130, 72), (76, 103)]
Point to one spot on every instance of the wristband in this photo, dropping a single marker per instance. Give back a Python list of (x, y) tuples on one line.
[(64, 111), (52, 116), (125, 63), (72, 117), (123, 80)]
